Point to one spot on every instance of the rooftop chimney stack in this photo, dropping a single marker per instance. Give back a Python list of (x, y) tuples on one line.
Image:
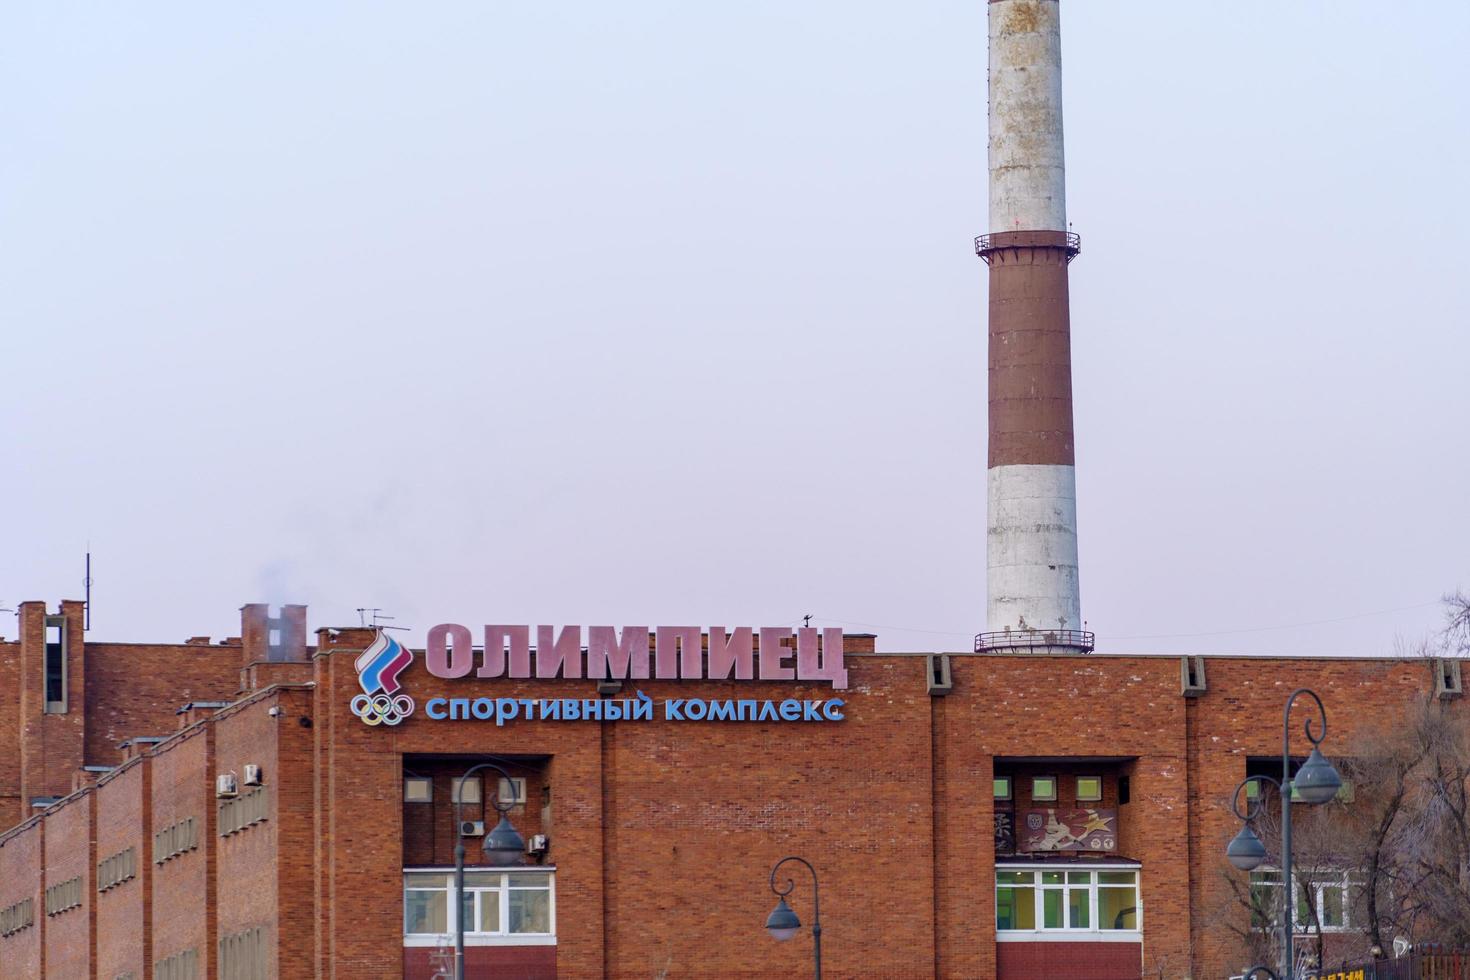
[(1033, 600)]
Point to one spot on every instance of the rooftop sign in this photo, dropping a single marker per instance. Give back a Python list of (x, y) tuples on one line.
[(679, 653), (683, 653)]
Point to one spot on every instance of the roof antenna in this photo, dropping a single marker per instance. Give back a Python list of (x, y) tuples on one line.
[(87, 589), (376, 614), (806, 620)]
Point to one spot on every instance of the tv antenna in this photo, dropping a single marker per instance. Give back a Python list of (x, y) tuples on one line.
[(807, 619), (375, 614)]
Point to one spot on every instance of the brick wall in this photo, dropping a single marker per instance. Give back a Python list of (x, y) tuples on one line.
[(21, 877), (70, 855), (1083, 961), (663, 833), (135, 689), (124, 912), (12, 809), (257, 887), (184, 885)]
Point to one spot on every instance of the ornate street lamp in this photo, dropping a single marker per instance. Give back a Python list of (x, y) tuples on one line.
[(782, 923), (502, 846), (1316, 782)]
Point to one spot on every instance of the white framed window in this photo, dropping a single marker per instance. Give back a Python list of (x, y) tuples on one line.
[(1328, 892), (1067, 902), (512, 789), (505, 907), (1089, 789), (426, 904), (418, 789), (1044, 789), (465, 790), (1002, 789)]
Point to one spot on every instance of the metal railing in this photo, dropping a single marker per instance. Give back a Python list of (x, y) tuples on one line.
[(985, 244), (1079, 640), (1429, 961)]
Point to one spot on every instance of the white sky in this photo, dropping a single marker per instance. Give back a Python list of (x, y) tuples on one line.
[(667, 313)]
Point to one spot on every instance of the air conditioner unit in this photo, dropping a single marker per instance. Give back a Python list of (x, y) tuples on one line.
[(224, 786), (252, 775), (537, 844), (472, 828)]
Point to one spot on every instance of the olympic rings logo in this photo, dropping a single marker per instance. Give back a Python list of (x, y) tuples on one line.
[(382, 709)]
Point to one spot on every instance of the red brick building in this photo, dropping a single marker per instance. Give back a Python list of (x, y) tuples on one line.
[(327, 849)]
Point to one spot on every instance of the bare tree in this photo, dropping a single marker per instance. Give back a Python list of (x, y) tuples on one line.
[(1403, 840)]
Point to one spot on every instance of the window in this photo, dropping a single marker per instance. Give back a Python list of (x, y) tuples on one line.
[(465, 790), (512, 790), (1015, 900), (1044, 789), (1327, 893), (1089, 789), (55, 665), (498, 907), (1103, 903), (418, 789), (1117, 900), (1002, 787), (426, 904)]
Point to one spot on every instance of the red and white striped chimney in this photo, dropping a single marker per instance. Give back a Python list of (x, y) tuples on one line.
[(1033, 599)]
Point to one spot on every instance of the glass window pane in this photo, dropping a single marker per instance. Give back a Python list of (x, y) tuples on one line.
[(1089, 789), (471, 791), (1043, 788), (530, 911), (1051, 877), (530, 880), (425, 912), (1015, 877), (1079, 904), (482, 879), (1015, 908), (512, 791), (1117, 877), (1002, 787), (489, 911), (418, 789), (467, 910), (1117, 908), (1079, 877), (1051, 909), (427, 879), (1331, 909), (1265, 893)]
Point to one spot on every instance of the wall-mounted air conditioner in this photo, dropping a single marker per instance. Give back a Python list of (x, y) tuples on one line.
[(252, 775), (537, 844), (224, 786), (472, 828)]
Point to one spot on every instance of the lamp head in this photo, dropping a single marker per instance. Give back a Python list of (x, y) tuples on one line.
[(1246, 851), (503, 846), (1316, 781), (782, 923)]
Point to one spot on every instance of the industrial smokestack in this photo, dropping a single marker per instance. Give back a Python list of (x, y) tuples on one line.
[(1031, 545)]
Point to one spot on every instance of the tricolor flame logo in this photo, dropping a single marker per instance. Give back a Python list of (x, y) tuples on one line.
[(380, 664)]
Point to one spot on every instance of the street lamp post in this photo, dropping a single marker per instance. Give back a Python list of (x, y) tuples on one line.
[(502, 847), (1316, 782), (782, 923)]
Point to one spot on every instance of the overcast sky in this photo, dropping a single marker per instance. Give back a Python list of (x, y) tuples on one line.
[(667, 313)]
